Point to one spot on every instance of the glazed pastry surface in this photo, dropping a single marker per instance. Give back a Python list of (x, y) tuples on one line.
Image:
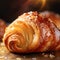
[(32, 32)]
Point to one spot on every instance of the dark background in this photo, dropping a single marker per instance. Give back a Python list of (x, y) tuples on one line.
[(11, 9)]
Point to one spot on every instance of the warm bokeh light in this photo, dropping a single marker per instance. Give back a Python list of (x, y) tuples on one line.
[(42, 2)]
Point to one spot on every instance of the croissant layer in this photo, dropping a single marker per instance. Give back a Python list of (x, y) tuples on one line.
[(32, 32)]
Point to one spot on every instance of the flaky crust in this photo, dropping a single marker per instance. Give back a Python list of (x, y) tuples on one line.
[(32, 32), (53, 17)]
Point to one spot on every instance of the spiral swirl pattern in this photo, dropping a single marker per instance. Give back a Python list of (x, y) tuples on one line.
[(32, 33)]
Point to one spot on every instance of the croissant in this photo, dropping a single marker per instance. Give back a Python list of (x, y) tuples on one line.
[(32, 32)]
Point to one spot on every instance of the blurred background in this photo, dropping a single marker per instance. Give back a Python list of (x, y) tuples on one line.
[(11, 9)]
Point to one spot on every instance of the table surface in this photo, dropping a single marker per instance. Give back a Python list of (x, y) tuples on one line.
[(6, 55)]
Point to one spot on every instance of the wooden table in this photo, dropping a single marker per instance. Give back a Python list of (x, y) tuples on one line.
[(6, 55)]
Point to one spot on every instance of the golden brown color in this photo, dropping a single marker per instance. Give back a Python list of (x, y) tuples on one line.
[(32, 32)]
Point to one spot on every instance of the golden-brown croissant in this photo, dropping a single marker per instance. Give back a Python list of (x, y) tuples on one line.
[(31, 32)]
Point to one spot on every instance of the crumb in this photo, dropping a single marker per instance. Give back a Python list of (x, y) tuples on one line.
[(46, 55), (2, 44), (43, 53), (51, 56), (1, 57), (18, 58)]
